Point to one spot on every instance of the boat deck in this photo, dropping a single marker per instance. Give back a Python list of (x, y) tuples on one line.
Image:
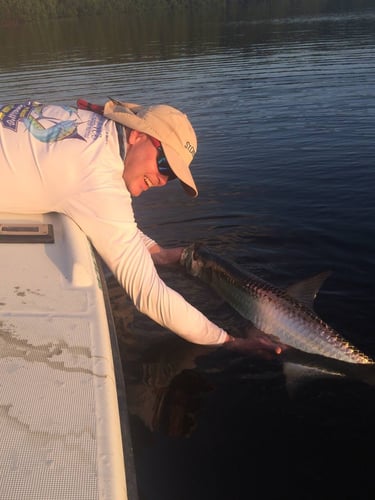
[(60, 429)]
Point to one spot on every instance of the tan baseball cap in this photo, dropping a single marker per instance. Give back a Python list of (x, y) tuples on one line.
[(167, 124)]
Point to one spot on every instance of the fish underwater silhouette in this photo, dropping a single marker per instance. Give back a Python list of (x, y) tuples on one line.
[(285, 314)]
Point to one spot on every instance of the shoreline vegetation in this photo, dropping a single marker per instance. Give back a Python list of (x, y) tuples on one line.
[(23, 11), (20, 11)]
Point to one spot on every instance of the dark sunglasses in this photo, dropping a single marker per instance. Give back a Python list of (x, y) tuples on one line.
[(162, 162)]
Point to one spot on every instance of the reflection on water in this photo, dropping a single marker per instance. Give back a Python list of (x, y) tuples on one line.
[(282, 98), (199, 411)]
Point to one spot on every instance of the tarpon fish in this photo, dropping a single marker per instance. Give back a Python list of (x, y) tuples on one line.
[(286, 314)]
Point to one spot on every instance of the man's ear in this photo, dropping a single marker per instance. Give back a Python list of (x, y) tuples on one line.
[(136, 136)]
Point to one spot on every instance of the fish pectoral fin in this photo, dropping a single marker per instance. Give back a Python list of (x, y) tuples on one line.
[(306, 290)]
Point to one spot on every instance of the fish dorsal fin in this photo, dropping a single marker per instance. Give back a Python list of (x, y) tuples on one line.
[(306, 290)]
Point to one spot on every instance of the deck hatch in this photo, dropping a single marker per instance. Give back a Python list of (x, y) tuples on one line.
[(26, 233)]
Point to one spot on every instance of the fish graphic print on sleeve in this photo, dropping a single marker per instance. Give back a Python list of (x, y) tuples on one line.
[(63, 159)]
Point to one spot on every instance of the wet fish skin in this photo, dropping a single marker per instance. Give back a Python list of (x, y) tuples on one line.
[(286, 314)]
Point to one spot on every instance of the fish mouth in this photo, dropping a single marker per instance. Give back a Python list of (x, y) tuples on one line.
[(190, 260), (188, 255)]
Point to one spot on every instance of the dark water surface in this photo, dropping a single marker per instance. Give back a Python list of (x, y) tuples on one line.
[(283, 101)]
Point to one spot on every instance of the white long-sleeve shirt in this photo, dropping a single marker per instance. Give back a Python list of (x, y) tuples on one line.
[(63, 159)]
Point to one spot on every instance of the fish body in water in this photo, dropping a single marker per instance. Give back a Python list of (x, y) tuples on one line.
[(286, 314)]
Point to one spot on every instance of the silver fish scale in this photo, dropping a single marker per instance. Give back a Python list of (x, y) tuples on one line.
[(274, 312), (270, 309)]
